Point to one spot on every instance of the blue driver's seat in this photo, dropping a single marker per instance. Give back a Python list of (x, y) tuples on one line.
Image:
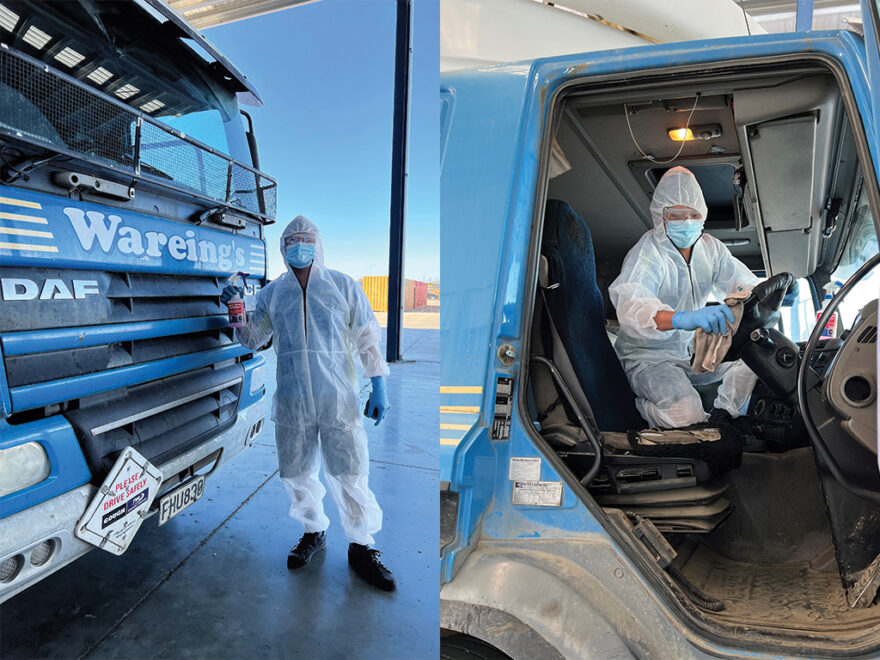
[(577, 308)]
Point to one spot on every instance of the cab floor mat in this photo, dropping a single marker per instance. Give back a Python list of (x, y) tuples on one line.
[(792, 596), (778, 510)]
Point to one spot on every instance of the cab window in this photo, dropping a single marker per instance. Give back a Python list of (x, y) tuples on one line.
[(859, 247), (798, 312)]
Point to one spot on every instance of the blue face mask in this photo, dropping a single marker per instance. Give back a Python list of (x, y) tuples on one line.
[(301, 254), (684, 233)]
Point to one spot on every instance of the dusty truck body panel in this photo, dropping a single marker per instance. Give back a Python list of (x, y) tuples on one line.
[(543, 573), (118, 229)]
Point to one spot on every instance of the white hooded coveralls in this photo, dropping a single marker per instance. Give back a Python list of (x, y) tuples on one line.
[(655, 277), (317, 333)]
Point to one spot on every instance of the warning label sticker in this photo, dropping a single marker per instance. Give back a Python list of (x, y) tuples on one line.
[(118, 508), (537, 493), (524, 469), (112, 516)]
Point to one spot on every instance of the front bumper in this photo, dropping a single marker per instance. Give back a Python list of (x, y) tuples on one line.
[(53, 521)]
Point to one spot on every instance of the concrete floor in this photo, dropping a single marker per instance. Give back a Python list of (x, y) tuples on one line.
[(213, 582)]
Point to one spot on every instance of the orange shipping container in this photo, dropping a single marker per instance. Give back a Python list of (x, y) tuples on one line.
[(376, 288), (415, 293)]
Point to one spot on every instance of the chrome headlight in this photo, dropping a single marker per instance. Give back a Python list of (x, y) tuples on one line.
[(22, 466), (257, 379)]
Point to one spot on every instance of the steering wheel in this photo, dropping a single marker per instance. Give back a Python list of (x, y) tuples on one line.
[(843, 409), (760, 311)]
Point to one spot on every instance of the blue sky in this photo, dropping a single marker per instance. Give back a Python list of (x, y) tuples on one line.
[(325, 72)]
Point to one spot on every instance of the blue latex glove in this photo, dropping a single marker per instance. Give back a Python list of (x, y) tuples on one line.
[(229, 291), (377, 404), (712, 319)]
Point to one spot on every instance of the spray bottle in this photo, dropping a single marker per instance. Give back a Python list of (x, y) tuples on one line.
[(237, 315), (830, 328)]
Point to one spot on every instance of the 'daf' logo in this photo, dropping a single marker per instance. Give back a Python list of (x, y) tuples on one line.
[(19, 288)]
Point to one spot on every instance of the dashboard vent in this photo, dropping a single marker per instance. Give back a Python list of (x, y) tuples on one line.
[(868, 336)]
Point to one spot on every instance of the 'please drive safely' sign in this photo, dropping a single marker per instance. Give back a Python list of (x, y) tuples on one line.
[(121, 505)]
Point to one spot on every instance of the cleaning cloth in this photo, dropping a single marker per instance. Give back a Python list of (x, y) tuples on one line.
[(710, 348)]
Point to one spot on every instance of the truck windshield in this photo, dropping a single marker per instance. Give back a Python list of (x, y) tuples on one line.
[(122, 87), (861, 245), (113, 48), (205, 126)]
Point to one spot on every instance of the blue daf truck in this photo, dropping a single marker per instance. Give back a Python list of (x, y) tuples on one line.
[(568, 528), (129, 193)]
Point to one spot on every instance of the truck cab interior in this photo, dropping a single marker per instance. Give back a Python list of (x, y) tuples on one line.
[(765, 530)]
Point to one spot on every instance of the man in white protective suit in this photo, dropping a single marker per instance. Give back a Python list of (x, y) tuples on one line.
[(660, 297), (320, 320)]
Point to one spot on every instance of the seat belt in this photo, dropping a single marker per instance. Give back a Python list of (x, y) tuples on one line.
[(556, 426), (560, 355)]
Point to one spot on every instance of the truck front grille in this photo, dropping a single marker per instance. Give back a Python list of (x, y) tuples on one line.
[(151, 363), (161, 419)]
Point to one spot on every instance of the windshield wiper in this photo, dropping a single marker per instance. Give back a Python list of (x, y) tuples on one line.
[(12, 171)]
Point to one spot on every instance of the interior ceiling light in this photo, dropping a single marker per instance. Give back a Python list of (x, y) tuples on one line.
[(126, 91), (36, 37), (70, 57), (8, 18), (695, 133), (100, 75)]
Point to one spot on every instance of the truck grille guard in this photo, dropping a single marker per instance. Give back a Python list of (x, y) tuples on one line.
[(46, 108)]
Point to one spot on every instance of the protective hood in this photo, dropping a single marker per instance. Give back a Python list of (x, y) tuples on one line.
[(302, 224), (678, 187)]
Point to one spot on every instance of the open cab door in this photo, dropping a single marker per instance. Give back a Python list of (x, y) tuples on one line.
[(549, 167)]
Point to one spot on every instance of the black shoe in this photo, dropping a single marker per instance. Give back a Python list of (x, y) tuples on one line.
[(743, 425), (719, 416), (365, 562), (308, 545)]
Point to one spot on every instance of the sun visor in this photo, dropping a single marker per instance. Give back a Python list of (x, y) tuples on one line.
[(247, 93)]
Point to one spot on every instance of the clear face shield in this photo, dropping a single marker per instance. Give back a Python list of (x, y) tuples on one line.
[(681, 213), (299, 237)]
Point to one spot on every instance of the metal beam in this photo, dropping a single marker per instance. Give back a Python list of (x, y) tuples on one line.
[(203, 14), (763, 7), (804, 20), (398, 182)]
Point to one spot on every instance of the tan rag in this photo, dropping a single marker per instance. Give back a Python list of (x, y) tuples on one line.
[(655, 437), (710, 348)]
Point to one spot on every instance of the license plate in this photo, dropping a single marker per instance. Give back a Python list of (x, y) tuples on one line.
[(180, 498)]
